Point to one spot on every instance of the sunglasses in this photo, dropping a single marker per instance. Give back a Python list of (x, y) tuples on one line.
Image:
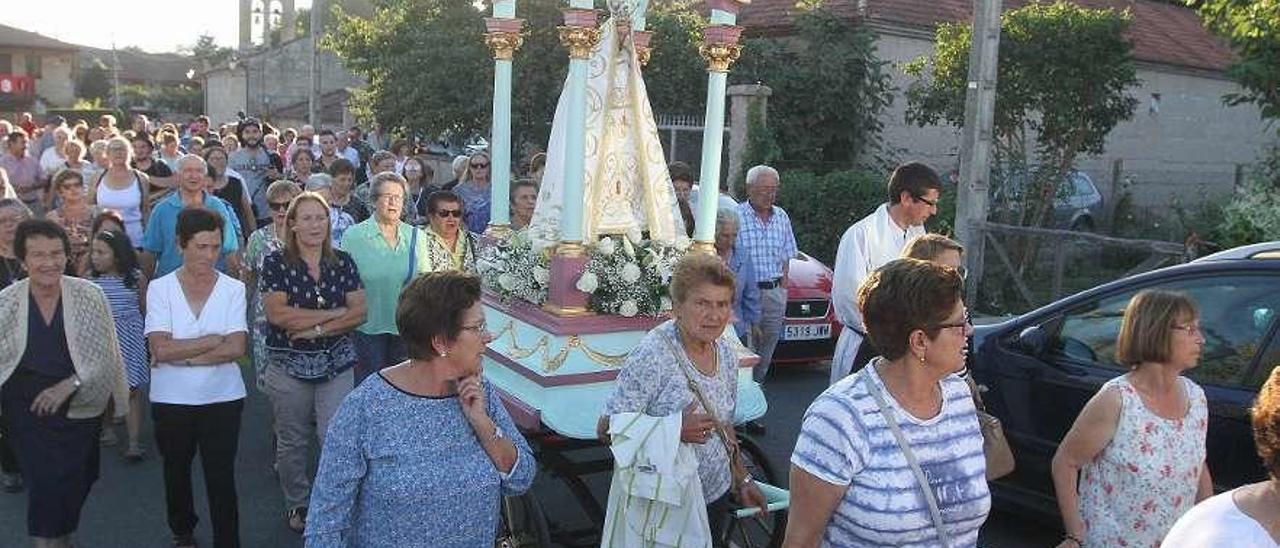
[(479, 166), (278, 206), (446, 213)]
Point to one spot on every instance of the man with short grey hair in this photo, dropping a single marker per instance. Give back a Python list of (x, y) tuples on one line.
[(160, 254), (765, 235)]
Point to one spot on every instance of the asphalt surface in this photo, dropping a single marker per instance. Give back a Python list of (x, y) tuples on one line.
[(126, 507)]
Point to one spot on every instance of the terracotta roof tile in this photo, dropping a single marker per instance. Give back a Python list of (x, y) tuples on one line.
[(1161, 32)]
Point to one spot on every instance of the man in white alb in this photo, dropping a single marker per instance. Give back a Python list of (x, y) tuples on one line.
[(878, 238)]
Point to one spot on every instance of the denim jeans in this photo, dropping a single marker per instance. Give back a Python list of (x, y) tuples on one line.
[(376, 352)]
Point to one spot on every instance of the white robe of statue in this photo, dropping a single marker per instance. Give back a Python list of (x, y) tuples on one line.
[(626, 189)]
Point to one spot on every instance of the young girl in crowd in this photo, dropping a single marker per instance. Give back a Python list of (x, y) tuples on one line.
[(114, 267)]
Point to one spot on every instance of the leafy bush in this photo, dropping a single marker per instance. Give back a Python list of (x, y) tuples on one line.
[(1253, 215), (823, 206)]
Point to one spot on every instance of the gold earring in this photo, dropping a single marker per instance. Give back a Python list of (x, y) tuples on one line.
[(922, 361)]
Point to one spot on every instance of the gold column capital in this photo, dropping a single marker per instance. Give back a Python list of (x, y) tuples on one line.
[(579, 40), (503, 44), (720, 56), (703, 247), (571, 249)]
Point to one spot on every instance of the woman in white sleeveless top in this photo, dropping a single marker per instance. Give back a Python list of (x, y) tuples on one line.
[(120, 188)]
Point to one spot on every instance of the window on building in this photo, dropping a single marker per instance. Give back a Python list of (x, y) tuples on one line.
[(6, 63), (34, 66)]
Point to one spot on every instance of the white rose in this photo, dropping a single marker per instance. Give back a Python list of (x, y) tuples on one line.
[(683, 243), (505, 281), (634, 234), (665, 303), (627, 248), (541, 275), (630, 273), (587, 283), (606, 246), (628, 308)]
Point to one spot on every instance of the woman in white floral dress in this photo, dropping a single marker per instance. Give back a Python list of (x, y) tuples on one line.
[(1134, 461)]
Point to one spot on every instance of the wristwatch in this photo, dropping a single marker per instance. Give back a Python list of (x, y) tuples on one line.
[(319, 330)]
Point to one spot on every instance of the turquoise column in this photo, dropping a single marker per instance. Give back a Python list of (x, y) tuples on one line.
[(720, 49), (579, 34), (503, 38)]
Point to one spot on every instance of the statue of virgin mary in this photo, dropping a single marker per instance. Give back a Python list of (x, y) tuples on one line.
[(627, 190)]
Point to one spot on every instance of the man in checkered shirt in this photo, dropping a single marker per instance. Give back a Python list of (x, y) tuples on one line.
[(765, 235)]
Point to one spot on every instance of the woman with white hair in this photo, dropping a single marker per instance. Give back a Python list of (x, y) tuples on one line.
[(123, 189), (746, 296), (53, 158)]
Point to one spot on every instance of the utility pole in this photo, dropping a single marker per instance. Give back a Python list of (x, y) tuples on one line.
[(115, 77), (976, 136), (313, 98)]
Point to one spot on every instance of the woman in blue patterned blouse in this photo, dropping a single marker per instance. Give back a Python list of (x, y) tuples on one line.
[(420, 453)]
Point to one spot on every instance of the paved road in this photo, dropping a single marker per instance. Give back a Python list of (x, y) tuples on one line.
[(126, 508)]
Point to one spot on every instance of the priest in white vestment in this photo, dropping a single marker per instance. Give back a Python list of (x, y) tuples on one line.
[(878, 238)]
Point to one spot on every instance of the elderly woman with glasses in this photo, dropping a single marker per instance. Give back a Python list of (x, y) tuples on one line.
[(473, 189), (746, 295), (422, 452), (852, 477), (389, 253), (1134, 461), (314, 298), (449, 245)]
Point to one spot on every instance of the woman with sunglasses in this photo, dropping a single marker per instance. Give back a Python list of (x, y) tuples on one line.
[(473, 189), (449, 246), (265, 241), (75, 215)]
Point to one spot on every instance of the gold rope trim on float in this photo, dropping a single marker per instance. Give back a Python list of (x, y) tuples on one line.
[(551, 363)]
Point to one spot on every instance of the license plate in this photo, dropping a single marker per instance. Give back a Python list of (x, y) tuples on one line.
[(807, 332)]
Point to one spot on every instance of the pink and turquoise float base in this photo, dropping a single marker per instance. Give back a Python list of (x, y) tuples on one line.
[(554, 373)]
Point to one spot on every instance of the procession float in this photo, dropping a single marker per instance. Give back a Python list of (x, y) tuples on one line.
[(568, 297)]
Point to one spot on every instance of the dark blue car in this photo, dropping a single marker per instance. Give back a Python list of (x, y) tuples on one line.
[(1040, 368)]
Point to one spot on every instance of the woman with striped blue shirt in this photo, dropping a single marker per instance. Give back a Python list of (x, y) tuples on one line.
[(852, 478)]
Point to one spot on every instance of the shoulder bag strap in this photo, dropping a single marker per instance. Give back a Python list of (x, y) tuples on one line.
[(413, 254), (911, 458), (730, 450)]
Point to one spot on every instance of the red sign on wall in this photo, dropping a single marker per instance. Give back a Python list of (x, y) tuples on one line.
[(17, 84)]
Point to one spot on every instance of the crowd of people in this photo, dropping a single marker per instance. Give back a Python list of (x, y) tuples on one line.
[(344, 274), (292, 249)]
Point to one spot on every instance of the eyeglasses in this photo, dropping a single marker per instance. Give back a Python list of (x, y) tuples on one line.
[(479, 166), (923, 200), (391, 198), (446, 213), (964, 323), (480, 328), (278, 206), (963, 272), (1192, 328)]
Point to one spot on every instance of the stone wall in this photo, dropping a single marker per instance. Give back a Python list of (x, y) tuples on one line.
[(278, 80), (1188, 148)]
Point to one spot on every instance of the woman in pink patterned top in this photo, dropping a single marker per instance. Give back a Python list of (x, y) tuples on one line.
[(1134, 461)]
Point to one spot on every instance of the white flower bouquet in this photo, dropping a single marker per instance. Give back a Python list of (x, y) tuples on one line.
[(629, 278), (512, 269)]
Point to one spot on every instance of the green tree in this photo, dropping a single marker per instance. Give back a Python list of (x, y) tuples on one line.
[(1252, 27), (829, 90), (206, 52), (1063, 77), (93, 82), (429, 72)]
